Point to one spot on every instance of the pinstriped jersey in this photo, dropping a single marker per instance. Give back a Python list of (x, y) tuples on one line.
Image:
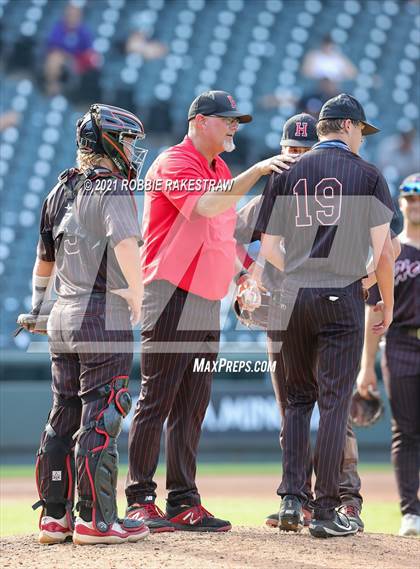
[(324, 207), (407, 289), (79, 233)]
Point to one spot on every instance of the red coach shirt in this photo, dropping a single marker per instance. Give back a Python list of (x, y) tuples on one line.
[(192, 252)]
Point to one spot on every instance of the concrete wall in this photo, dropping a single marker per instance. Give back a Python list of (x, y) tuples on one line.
[(242, 423)]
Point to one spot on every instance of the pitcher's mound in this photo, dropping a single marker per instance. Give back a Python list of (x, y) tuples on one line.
[(254, 548)]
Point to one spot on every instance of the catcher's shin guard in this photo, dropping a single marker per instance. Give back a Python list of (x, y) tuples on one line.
[(54, 473), (100, 464)]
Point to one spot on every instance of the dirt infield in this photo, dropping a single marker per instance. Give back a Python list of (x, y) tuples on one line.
[(241, 548), (244, 547)]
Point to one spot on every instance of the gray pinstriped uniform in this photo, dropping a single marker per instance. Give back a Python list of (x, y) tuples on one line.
[(89, 331)]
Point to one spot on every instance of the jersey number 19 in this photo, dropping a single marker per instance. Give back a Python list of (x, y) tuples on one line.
[(328, 194)]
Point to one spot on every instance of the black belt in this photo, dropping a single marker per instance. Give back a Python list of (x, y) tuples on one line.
[(404, 330), (412, 332)]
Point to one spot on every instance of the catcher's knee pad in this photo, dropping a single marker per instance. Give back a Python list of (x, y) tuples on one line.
[(100, 464), (54, 472)]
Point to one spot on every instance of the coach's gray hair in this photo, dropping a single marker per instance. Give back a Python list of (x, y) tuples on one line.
[(87, 160), (327, 126), (191, 126)]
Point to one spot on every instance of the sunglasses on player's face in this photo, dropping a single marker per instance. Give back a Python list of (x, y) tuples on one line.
[(410, 190)]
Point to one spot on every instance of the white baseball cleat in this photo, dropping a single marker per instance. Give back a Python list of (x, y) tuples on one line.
[(121, 531), (410, 525), (53, 530)]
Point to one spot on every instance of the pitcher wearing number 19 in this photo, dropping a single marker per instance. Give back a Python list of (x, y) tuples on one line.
[(328, 208)]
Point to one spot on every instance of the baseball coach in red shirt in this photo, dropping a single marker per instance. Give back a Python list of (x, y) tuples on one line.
[(188, 262)]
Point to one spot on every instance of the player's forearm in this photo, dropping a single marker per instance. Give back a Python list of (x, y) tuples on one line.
[(385, 275), (127, 253), (43, 268), (41, 276), (214, 203), (271, 251), (371, 344), (370, 269)]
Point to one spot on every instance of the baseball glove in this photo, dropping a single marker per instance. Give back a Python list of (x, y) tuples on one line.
[(35, 321), (366, 412), (257, 318)]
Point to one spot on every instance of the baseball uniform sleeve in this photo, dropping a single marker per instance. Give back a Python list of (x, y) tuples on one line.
[(45, 248), (246, 220), (271, 215), (119, 217), (381, 206)]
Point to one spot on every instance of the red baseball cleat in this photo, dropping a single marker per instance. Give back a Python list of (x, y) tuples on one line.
[(53, 530), (121, 531), (195, 518)]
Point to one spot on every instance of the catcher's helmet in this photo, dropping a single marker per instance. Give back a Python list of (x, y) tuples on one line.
[(104, 130), (365, 412), (257, 318), (410, 186)]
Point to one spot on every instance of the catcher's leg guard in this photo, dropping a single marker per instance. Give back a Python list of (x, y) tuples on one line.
[(97, 455), (55, 469)]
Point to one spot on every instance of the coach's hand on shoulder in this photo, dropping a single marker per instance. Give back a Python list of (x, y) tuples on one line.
[(387, 314), (134, 299), (366, 381), (277, 163)]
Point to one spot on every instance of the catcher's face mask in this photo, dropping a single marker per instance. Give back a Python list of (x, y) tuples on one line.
[(134, 151)]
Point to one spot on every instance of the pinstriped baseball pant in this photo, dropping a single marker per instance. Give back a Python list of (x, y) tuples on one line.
[(178, 327), (401, 373), (350, 483), (76, 330), (321, 351)]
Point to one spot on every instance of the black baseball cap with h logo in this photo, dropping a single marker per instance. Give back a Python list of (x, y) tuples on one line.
[(299, 131), (218, 103)]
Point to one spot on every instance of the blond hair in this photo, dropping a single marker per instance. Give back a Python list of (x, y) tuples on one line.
[(87, 160)]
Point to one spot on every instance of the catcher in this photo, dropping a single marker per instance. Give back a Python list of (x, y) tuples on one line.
[(89, 235)]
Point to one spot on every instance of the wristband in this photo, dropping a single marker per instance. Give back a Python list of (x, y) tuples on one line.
[(248, 261), (39, 288), (241, 274)]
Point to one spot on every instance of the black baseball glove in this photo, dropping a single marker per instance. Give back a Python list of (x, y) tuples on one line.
[(366, 412)]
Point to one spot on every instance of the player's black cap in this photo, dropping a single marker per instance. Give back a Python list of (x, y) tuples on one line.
[(299, 131), (345, 106), (217, 103)]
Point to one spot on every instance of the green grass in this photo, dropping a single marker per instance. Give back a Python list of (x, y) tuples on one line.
[(17, 517), (204, 469)]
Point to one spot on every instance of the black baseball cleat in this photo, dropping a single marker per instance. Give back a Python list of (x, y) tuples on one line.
[(195, 518), (353, 514), (151, 515), (272, 520), (290, 514), (338, 526)]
